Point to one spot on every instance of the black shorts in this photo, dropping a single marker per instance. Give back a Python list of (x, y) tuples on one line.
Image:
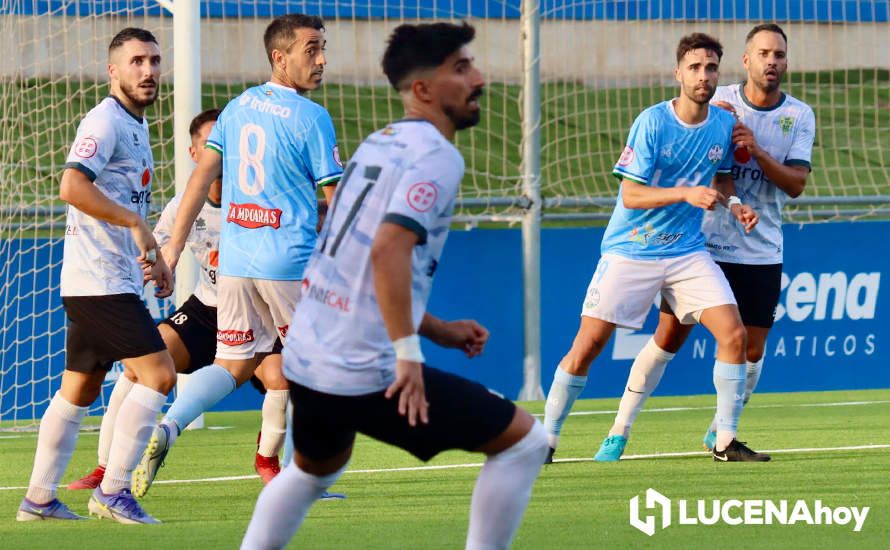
[(462, 415), (756, 289), (195, 323), (105, 329)]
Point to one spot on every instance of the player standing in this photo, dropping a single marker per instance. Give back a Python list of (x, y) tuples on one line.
[(774, 140), (107, 185), (273, 148), (654, 241), (353, 356)]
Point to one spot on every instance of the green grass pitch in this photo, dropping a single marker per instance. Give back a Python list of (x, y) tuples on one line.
[(576, 503)]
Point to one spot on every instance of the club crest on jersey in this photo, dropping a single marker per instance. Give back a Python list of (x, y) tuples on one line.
[(786, 123), (422, 196), (234, 337), (254, 216), (715, 153), (627, 156), (389, 131), (86, 148)]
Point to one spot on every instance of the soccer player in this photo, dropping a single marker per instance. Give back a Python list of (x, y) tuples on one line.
[(654, 241), (273, 148), (353, 356), (774, 140), (190, 332), (107, 185)]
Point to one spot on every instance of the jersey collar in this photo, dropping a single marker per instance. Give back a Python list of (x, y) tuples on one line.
[(755, 107), (138, 119)]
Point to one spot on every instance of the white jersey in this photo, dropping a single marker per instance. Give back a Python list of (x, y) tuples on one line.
[(112, 149), (407, 174), (786, 131), (203, 241)]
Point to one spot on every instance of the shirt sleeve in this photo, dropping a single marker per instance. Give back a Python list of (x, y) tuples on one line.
[(801, 152), (323, 155), (426, 192), (637, 161), (93, 147)]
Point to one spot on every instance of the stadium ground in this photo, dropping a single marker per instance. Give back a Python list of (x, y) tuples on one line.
[(831, 446)]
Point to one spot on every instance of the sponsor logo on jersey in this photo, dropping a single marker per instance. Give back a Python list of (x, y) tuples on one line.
[(627, 156), (282, 331), (422, 196), (264, 106), (325, 296), (715, 153), (234, 337), (146, 177), (140, 197), (86, 148), (253, 216), (786, 123), (641, 237), (214, 258), (337, 156)]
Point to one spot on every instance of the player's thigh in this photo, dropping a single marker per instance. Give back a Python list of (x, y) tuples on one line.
[(462, 415), (670, 334), (177, 350), (622, 290), (154, 370), (693, 284), (270, 374)]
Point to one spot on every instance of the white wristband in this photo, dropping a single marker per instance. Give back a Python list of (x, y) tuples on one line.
[(151, 257), (408, 348), (733, 200)]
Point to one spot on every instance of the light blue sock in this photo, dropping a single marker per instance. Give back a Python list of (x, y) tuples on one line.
[(729, 380), (206, 387), (565, 389)]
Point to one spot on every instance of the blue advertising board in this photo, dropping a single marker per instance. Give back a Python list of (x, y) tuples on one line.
[(614, 10), (832, 330)]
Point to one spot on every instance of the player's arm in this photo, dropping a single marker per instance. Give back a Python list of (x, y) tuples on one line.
[(643, 197), (209, 169), (391, 267), (742, 212), (463, 334), (790, 179)]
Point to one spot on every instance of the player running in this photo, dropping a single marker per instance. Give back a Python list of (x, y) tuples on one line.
[(273, 148), (654, 241), (774, 140), (353, 356)]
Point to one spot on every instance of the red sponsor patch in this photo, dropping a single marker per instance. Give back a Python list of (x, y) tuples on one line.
[(422, 196), (214, 258), (234, 337), (627, 156), (337, 156), (86, 148), (742, 155), (146, 177), (282, 331), (253, 216)]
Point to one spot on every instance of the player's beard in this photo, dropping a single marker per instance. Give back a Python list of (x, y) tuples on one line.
[(139, 100), (466, 119), (696, 96)]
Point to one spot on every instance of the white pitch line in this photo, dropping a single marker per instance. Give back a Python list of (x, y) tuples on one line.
[(479, 464)]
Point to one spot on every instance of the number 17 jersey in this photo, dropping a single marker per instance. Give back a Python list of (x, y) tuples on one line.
[(406, 174), (277, 148)]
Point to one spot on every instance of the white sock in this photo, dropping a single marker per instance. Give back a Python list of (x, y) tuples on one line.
[(503, 489), (55, 445), (121, 388), (136, 419), (752, 377), (283, 505), (644, 376), (274, 422)]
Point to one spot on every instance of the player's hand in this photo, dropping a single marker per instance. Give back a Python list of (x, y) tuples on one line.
[(703, 197), (143, 238), (170, 255), (746, 216), (412, 395), (163, 278), (466, 335), (743, 138), (726, 107)]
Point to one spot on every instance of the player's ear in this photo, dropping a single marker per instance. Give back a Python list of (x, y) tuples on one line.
[(677, 73), (422, 90), (193, 153), (112, 70)]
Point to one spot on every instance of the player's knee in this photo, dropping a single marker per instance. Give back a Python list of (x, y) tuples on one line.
[(165, 381), (736, 338)]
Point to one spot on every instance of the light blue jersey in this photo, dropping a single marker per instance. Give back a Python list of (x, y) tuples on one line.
[(277, 148), (663, 151)]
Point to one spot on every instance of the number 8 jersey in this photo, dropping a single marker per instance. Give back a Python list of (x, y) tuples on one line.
[(277, 148), (407, 174)]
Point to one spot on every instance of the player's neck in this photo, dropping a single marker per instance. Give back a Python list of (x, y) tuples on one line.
[(759, 97), (435, 117), (689, 111), (125, 102), (276, 78)]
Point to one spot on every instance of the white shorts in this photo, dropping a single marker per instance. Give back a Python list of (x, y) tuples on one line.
[(251, 314), (622, 290)]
